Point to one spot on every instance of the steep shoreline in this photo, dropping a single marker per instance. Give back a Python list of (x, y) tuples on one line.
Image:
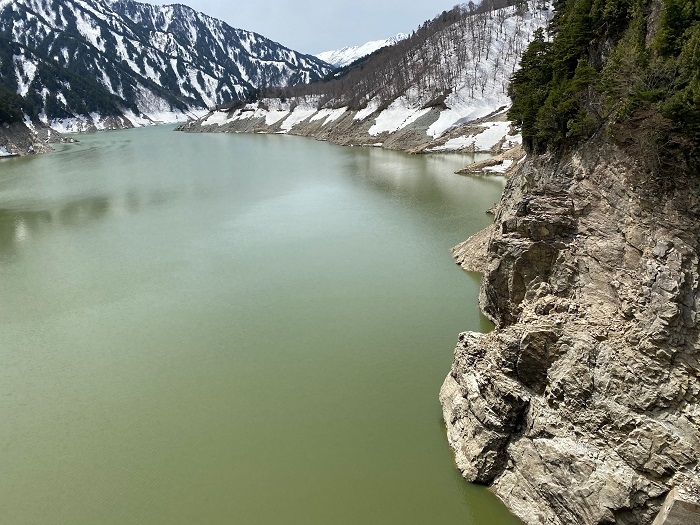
[(582, 405)]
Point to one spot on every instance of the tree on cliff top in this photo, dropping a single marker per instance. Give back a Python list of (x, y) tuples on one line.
[(606, 64)]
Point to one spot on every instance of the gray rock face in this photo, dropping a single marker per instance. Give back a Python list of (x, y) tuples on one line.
[(582, 406), (682, 506)]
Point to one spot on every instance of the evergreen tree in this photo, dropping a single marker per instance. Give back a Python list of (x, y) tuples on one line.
[(599, 69)]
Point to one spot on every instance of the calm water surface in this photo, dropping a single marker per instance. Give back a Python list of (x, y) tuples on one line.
[(202, 329)]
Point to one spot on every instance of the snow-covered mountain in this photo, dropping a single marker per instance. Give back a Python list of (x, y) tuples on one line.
[(445, 88), (116, 63), (348, 55)]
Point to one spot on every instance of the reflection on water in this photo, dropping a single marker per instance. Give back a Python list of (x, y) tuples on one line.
[(83, 211), (390, 172), (132, 201), (22, 226)]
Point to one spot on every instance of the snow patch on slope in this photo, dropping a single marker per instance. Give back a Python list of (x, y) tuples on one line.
[(88, 29), (217, 118), (462, 109), (499, 168), (26, 75), (397, 116), (273, 117), (372, 107), (330, 115), (300, 114), (485, 138)]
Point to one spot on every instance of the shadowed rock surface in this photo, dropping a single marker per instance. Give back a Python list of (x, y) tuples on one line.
[(581, 407)]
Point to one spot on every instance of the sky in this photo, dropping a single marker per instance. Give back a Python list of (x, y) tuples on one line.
[(313, 26)]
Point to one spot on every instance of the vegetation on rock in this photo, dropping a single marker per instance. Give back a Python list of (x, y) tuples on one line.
[(615, 65)]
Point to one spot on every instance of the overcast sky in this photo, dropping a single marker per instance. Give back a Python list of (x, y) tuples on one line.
[(312, 26)]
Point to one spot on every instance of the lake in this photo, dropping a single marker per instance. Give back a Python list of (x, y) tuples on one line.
[(226, 328)]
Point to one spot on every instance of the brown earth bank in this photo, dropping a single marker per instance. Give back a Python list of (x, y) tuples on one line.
[(581, 407)]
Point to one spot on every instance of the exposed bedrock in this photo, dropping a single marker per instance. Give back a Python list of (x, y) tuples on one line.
[(581, 407)]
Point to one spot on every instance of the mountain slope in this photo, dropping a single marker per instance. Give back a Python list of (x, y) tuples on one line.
[(119, 62), (443, 88), (348, 55)]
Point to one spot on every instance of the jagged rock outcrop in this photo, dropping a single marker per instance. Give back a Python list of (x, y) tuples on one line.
[(582, 406)]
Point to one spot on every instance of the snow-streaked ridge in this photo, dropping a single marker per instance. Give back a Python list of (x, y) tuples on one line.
[(143, 62)]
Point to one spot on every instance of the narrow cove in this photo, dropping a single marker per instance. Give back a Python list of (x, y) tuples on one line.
[(233, 329)]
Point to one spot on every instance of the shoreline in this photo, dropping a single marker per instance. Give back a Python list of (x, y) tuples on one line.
[(411, 131)]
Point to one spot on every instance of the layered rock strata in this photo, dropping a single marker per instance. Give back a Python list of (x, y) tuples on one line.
[(581, 407)]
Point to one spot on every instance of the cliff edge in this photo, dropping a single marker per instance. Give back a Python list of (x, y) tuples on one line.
[(581, 407)]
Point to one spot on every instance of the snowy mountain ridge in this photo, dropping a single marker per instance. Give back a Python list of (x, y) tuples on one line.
[(445, 88), (82, 64), (348, 55)]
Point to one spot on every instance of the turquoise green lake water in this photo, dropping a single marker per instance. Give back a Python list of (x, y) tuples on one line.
[(204, 329)]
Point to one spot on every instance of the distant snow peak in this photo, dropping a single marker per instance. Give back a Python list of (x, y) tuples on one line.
[(347, 55)]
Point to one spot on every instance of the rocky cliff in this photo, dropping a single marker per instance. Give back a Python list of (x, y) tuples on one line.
[(581, 407)]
